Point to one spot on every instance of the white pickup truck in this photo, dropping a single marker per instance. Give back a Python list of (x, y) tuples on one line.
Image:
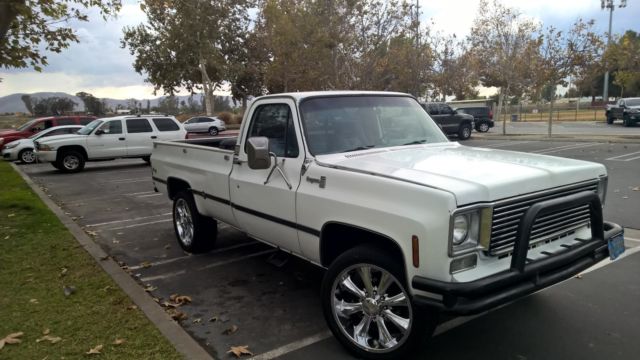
[(408, 224), (107, 139)]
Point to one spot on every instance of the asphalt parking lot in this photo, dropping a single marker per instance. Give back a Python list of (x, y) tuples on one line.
[(276, 308)]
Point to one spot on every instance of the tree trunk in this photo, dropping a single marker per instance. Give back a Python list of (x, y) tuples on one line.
[(499, 112), (208, 88), (550, 115), (8, 13)]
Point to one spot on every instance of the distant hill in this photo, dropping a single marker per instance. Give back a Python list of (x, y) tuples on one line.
[(13, 103)]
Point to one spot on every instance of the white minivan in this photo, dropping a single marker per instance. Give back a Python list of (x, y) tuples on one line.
[(108, 138)]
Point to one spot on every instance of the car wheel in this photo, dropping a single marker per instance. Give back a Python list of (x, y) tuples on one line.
[(626, 122), (464, 132), (27, 156), (147, 159), (483, 126), (195, 233), (71, 162), (609, 119), (213, 131), (368, 308)]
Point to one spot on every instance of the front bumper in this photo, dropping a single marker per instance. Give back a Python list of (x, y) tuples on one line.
[(524, 277), (46, 156), (9, 155)]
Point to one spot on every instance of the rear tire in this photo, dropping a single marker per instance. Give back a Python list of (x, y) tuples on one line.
[(27, 156), (195, 233), (609, 119), (369, 324), (147, 159), (464, 132), (482, 127), (213, 131), (71, 162)]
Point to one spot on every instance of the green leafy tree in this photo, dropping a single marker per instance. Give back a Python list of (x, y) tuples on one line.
[(53, 106), (27, 27), (92, 105)]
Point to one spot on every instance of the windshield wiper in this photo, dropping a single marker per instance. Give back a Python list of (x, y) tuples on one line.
[(416, 142), (360, 148)]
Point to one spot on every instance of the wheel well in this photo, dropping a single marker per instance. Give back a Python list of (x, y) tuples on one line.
[(77, 148), (336, 238), (174, 186), (466, 122)]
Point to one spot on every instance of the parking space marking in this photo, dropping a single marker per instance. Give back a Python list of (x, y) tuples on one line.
[(163, 276), (285, 349), (632, 239), (127, 181), (230, 261), (620, 157), (566, 147), (106, 197), (141, 224), (169, 261), (149, 195), (508, 144), (127, 220)]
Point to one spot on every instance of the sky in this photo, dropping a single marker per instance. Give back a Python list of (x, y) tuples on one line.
[(99, 66)]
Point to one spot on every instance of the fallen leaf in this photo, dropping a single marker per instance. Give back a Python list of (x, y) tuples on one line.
[(6, 237), (116, 241), (150, 288), (33, 301), (11, 215), (230, 330), (68, 290), (92, 233), (170, 304), (46, 332), (578, 276), (95, 350), (213, 319), (50, 338), (63, 272), (145, 264), (132, 307), (625, 197), (197, 321), (240, 350), (12, 338), (103, 258), (177, 315), (637, 188), (118, 341), (180, 299), (167, 247)]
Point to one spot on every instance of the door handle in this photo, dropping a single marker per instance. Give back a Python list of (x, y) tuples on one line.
[(121, 139), (154, 137)]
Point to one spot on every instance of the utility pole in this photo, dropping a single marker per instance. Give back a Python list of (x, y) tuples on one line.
[(608, 4), (418, 68)]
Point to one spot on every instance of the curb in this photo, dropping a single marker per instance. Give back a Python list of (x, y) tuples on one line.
[(561, 137), (177, 336)]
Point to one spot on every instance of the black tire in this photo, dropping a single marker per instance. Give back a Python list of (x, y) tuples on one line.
[(204, 230), (464, 131), (26, 156), (56, 165), (609, 119), (627, 122), (482, 126), (71, 161), (147, 159), (213, 131), (422, 321)]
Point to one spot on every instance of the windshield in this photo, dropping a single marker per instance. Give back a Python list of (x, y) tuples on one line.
[(26, 126), (89, 127), (632, 102), (348, 123)]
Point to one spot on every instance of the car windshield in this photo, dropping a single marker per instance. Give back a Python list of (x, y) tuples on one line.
[(632, 102), (349, 123), (89, 127), (26, 126)]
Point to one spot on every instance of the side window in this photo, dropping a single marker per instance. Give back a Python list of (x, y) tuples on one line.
[(445, 109), (48, 124), (38, 126), (57, 132), (275, 122), (112, 127), (138, 126), (165, 124), (66, 122), (432, 109), (204, 120)]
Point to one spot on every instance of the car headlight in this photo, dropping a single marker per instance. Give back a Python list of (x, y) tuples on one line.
[(470, 230), (11, 145), (602, 188), (45, 147)]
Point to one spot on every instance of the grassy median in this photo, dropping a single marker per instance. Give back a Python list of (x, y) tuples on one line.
[(39, 260)]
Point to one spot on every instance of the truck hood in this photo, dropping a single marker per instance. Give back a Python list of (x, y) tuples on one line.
[(57, 138), (470, 174)]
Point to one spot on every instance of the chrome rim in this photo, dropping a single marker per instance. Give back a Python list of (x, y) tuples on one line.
[(28, 156), (213, 131), (184, 222), (466, 132), (371, 308), (484, 127), (71, 162)]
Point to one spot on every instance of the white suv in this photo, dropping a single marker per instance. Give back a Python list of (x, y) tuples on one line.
[(209, 124), (108, 138)]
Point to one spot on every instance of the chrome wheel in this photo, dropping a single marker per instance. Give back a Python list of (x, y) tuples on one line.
[(70, 162), (372, 308), (213, 131), (484, 127), (466, 132), (27, 156), (183, 221)]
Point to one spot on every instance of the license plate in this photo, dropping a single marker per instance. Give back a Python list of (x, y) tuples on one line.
[(616, 246)]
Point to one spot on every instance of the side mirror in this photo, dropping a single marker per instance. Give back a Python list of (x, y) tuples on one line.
[(258, 153), (99, 132)]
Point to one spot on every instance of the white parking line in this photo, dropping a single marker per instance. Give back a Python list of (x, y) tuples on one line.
[(127, 181), (619, 157), (163, 276), (631, 239), (105, 197), (169, 261), (149, 195), (230, 261), (285, 349), (508, 144), (566, 147), (121, 221), (140, 224)]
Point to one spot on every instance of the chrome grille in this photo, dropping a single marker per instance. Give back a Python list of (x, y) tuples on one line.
[(508, 213)]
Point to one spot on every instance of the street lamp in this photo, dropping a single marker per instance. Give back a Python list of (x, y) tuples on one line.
[(608, 4)]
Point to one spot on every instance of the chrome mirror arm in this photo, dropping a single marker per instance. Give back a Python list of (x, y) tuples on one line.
[(275, 167)]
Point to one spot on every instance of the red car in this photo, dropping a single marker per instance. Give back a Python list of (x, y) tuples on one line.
[(36, 125)]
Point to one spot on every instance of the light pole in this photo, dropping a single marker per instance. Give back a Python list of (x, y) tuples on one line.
[(608, 4)]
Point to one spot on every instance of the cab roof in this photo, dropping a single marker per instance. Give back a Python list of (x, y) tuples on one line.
[(298, 96)]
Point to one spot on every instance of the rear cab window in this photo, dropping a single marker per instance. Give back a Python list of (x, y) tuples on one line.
[(140, 125)]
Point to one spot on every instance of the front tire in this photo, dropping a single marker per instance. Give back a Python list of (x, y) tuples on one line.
[(464, 132), (626, 121), (147, 159), (195, 233), (71, 162), (27, 156), (368, 308), (213, 131), (609, 119)]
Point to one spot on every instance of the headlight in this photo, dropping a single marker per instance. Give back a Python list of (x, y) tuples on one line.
[(470, 230), (602, 188), (44, 147), (11, 145)]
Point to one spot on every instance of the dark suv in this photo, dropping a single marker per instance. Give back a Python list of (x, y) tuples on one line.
[(451, 121), (482, 115)]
